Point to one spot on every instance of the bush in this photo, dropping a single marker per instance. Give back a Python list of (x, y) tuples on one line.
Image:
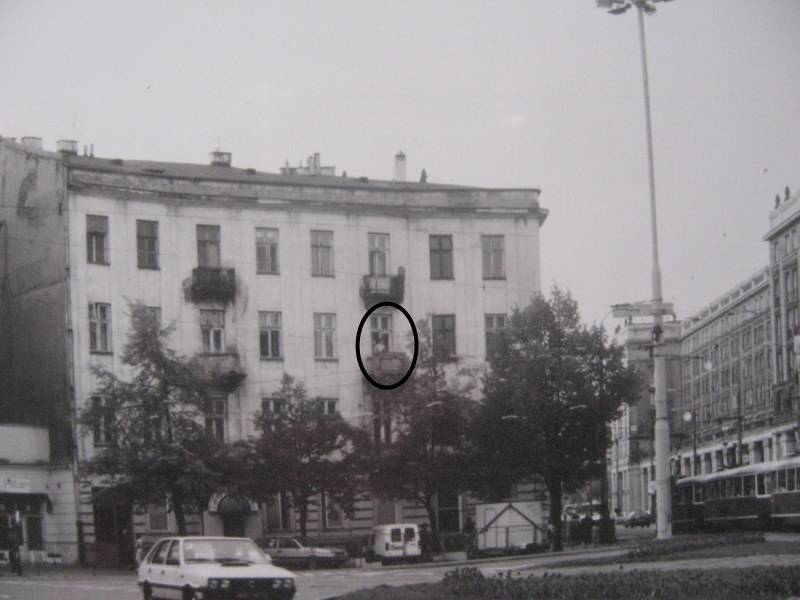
[(658, 548), (723, 584)]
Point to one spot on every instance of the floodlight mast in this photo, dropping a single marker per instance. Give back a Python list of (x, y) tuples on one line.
[(661, 430)]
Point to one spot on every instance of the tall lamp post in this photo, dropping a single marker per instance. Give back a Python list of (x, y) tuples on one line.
[(661, 435)]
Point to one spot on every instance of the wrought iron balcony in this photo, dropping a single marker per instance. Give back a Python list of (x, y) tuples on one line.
[(382, 288), (387, 367), (213, 284), (222, 371)]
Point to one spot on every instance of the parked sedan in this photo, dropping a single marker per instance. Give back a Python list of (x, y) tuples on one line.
[(290, 552), (637, 518), (212, 568)]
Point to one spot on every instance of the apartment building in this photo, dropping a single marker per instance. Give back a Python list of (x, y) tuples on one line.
[(262, 274)]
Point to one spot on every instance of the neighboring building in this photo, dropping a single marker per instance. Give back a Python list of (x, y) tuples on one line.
[(725, 409), (37, 497), (631, 468), (784, 255), (262, 274)]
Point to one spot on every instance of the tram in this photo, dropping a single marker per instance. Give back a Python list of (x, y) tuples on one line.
[(762, 496)]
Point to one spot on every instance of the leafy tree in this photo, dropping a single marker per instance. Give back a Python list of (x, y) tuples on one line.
[(553, 387), (429, 413), (304, 452), (156, 445)]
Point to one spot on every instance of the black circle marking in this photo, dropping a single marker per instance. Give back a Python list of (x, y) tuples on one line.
[(413, 358)]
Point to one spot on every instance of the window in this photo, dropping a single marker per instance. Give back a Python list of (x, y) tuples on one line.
[(103, 424), (493, 256), (208, 254), (378, 253), (322, 253), (147, 244), (331, 513), (215, 409), (324, 335), (157, 517), (326, 406), (212, 325), (160, 553), (100, 327), (266, 250), (441, 247), (269, 332), (174, 554), (381, 333), (97, 240), (444, 336), (494, 323)]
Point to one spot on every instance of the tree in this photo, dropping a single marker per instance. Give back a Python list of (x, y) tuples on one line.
[(553, 387), (155, 444), (305, 451), (429, 413)]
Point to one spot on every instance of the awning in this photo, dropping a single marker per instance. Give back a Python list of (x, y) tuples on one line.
[(26, 503), (231, 504)]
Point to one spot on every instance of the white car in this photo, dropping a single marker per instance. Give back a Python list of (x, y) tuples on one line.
[(212, 568)]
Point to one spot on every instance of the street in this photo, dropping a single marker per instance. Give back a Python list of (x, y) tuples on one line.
[(312, 585), (74, 584)]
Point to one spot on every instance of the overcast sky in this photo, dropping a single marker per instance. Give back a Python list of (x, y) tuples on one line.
[(534, 93)]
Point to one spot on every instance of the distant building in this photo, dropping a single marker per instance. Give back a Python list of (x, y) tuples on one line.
[(631, 468), (262, 274), (726, 415)]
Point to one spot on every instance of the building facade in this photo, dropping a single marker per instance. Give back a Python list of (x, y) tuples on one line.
[(262, 275), (725, 408)]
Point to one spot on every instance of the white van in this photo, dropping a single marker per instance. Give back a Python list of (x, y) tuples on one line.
[(398, 542)]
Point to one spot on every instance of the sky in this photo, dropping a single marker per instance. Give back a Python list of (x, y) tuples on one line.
[(530, 93)]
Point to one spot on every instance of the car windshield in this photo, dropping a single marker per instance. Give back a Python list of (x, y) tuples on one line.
[(222, 550)]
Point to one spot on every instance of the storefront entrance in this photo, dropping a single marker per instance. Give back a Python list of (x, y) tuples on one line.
[(113, 524)]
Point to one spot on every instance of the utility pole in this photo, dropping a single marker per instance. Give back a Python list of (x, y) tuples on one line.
[(661, 432)]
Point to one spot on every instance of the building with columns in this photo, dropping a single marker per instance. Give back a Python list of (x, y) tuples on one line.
[(262, 274)]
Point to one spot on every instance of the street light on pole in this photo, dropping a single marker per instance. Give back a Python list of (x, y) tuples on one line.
[(661, 435)]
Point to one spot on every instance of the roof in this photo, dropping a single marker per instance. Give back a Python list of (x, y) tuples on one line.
[(234, 174)]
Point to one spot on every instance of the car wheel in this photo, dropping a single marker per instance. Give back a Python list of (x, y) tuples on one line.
[(147, 592), (188, 594)]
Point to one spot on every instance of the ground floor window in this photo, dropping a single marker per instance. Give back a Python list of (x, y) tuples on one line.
[(33, 527)]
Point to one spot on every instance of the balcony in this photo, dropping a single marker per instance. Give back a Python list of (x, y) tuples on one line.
[(222, 371), (213, 284), (383, 288), (387, 367)]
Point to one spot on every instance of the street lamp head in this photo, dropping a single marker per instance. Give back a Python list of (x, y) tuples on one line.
[(687, 416), (511, 418)]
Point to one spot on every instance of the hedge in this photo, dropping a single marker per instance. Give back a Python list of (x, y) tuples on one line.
[(722, 584)]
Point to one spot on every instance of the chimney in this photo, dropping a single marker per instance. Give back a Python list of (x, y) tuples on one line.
[(32, 142), (220, 159), (67, 147), (399, 167)]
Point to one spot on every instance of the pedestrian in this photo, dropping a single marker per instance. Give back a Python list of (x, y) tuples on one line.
[(16, 541), (586, 529), (425, 542), (139, 549), (472, 536), (575, 535)]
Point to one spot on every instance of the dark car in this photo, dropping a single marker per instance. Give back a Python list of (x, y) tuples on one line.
[(637, 518), (288, 551)]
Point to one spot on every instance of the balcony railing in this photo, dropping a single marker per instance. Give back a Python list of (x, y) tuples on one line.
[(220, 370), (387, 367), (213, 284), (382, 288)]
